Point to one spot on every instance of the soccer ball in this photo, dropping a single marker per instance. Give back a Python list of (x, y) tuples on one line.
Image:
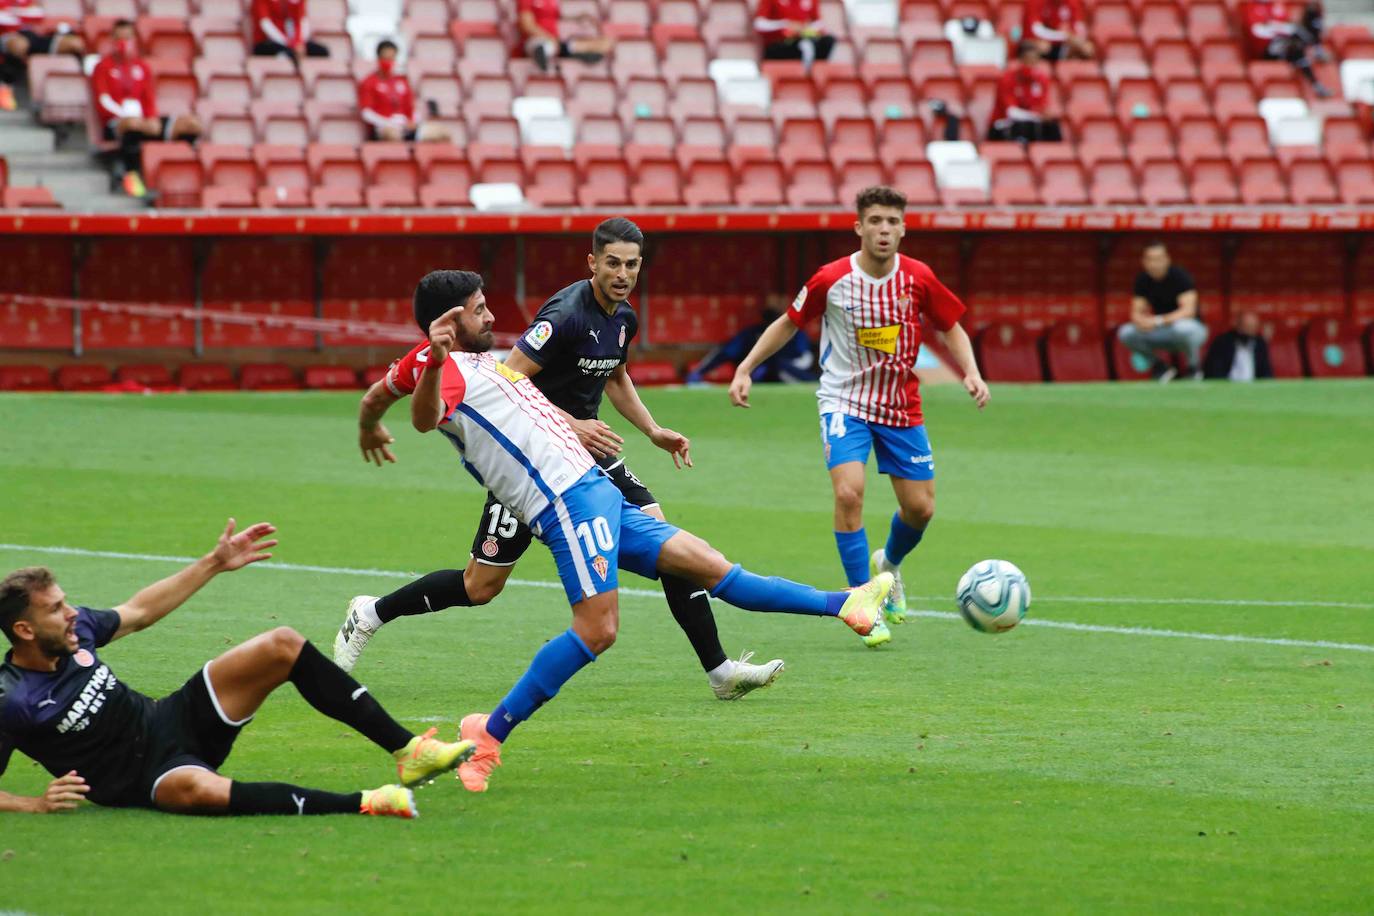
[(993, 596)]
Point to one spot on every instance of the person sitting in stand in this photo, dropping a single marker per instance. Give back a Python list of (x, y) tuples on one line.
[(1060, 29), (122, 84), (1023, 96), (387, 104), (281, 29), (541, 42), (1274, 33), (791, 30), (20, 36)]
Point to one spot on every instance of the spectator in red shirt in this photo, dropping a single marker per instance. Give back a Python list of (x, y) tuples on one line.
[(122, 85), (791, 30), (20, 37), (1059, 28), (1273, 33), (281, 29), (541, 41), (388, 105), (1023, 98)]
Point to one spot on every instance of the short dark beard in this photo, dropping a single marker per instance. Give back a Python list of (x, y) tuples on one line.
[(480, 344), (58, 649)]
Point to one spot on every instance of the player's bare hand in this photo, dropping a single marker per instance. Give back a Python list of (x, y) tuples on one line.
[(62, 794), (443, 334), (675, 444), (739, 389), (597, 438), (374, 441), (235, 551), (978, 390)]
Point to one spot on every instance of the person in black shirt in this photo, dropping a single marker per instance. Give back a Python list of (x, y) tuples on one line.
[(1240, 354), (63, 707), (1164, 315), (574, 352)]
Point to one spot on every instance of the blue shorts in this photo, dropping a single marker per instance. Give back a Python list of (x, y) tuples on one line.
[(903, 451), (593, 530)]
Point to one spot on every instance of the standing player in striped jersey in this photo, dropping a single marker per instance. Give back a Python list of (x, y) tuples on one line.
[(523, 450), (873, 304)]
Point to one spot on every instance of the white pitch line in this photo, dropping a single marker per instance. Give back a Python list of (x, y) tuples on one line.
[(1219, 602), (1170, 634), (648, 593)]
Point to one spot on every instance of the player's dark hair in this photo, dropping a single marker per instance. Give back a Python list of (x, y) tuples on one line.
[(441, 290), (1154, 243), (616, 229), (14, 594), (384, 44), (879, 196), (122, 24)]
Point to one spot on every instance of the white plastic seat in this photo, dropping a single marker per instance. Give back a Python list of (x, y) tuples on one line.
[(497, 196), (1357, 80)]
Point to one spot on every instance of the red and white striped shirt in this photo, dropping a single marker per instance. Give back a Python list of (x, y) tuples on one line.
[(510, 437), (871, 335)]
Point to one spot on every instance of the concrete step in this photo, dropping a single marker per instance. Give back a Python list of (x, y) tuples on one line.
[(99, 203), (17, 139), (89, 183), (59, 161)]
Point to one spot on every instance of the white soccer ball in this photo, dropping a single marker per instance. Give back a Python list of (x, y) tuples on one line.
[(993, 596)]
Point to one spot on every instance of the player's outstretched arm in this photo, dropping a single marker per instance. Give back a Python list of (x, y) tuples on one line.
[(961, 348), (595, 436), (373, 436), (233, 551), (62, 794), (620, 388), (770, 341)]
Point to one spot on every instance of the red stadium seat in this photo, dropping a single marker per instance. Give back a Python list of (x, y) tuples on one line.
[(709, 184), (1344, 140), (280, 123), (552, 184), (1261, 182), (1213, 183), (760, 184), (658, 183), (285, 177), (1356, 182), (1099, 138), (1074, 352), (857, 175), (387, 196), (390, 165), (1312, 183), (1162, 183), (1014, 184), (1198, 138), (149, 375), (1127, 365), (268, 377), (801, 140), (206, 377), (1331, 349), (1149, 138), (28, 199), (1247, 138), (228, 166), (25, 378), (701, 140), (916, 179), (651, 373), (1007, 353), (1232, 98), (1062, 184), (1285, 352), (223, 198), (330, 378), (903, 140), (336, 167), (82, 377), (605, 183), (812, 184), (445, 173)]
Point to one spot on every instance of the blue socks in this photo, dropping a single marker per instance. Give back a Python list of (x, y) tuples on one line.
[(751, 592), (853, 547), (901, 540), (553, 666)]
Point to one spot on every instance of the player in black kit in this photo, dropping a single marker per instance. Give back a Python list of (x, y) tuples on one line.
[(63, 707), (574, 352)]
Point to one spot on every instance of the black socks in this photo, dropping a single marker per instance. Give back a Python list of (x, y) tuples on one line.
[(434, 592), (325, 686), (694, 615), (280, 798)]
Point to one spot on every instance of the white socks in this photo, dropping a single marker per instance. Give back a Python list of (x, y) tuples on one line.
[(367, 614), (721, 673)]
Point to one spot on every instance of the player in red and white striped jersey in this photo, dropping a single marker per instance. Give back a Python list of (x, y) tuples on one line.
[(873, 304)]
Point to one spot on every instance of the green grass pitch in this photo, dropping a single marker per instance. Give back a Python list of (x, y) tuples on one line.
[(1047, 769)]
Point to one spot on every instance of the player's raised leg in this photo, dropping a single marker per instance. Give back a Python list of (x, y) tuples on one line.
[(904, 456), (192, 789), (242, 678)]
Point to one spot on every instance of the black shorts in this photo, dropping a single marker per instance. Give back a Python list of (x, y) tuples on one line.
[(409, 134), (502, 539), (188, 729), (39, 43), (164, 122)]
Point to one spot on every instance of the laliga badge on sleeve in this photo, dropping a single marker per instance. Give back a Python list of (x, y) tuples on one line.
[(539, 335)]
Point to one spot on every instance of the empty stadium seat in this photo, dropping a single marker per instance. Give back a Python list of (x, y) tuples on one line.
[(82, 377), (1331, 349), (149, 375), (25, 378), (1007, 353), (28, 198), (174, 172), (206, 377), (330, 378), (652, 373), (1285, 351), (268, 377), (1075, 352), (709, 184)]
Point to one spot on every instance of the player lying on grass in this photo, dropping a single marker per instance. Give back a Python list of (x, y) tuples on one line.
[(518, 446), (64, 707), (575, 352)]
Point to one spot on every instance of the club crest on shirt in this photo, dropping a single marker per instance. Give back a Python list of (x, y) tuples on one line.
[(490, 548), (83, 658), (884, 338), (800, 301), (539, 335), (904, 301), (622, 336), (601, 566)]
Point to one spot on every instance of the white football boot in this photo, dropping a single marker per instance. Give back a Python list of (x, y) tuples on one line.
[(745, 677), (353, 636)]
